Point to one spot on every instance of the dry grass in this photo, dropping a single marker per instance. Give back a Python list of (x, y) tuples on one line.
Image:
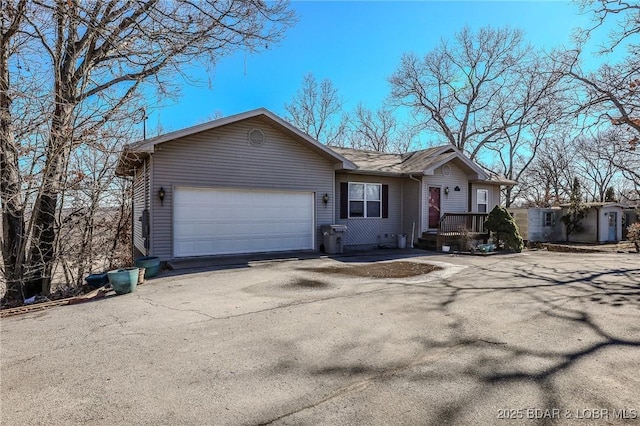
[(379, 270)]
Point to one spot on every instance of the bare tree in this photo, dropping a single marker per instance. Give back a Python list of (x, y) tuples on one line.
[(595, 167), (612, 93), (94, 213), (380, 131), (462, 89), (12, 17), (611, 149), (316, 109), (548, 179), (95, 61), (625, 13), (609, 96), (538, 98)]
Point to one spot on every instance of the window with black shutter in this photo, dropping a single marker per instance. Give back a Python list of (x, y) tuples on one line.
[(364, 200)]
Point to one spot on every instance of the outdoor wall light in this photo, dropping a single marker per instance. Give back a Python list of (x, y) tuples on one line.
[(446, 190), (457, 189), (325, 199), (161, 194)]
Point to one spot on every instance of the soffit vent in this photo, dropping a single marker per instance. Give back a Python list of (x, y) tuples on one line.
[(256, 137)]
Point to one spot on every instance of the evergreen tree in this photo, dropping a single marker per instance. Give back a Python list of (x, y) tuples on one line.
[(576, 212), (610, 195), (504, 229)]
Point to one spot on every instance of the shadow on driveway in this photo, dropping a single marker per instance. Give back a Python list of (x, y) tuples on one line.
[(591, 310)]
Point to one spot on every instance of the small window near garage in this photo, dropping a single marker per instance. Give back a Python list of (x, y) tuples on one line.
[(548, 219), (365, 200), (482, 200)]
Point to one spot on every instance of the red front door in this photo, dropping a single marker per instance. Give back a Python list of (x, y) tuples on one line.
[(434, 206)]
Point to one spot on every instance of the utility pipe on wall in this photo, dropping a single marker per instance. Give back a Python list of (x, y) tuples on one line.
[(419, 206)]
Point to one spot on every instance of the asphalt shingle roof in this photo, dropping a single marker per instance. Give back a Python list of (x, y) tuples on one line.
[(411, 162)]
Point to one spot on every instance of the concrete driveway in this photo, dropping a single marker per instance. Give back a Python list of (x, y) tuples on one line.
[(503, 339)]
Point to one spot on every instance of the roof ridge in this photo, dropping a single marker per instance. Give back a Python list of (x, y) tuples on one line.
[(363, 150)]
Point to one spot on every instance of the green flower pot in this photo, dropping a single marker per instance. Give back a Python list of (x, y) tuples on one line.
[(123, 280), (151, 265)]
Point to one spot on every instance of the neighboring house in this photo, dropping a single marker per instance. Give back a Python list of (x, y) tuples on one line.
[(539, 224), (603, 223), (254, 183)]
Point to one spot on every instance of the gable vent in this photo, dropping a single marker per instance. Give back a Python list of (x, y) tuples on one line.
[(256, 137)]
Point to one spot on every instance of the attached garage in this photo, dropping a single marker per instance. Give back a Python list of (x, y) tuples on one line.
[(247, 183), (231, 221)]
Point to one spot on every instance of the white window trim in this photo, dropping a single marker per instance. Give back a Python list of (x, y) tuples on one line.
[(364, 200), (478, 203)]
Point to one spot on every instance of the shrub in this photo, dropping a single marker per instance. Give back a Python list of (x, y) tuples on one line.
[(634, 235), (504, 229)]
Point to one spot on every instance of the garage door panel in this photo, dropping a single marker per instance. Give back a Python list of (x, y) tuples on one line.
[(215, 221)]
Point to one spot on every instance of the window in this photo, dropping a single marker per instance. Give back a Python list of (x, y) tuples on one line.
[(548, 219), (365, 200), (482, 200)]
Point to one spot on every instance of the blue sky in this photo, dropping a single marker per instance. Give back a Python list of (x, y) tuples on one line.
[(356, 45)]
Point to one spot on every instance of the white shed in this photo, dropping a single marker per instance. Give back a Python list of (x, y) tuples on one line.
[(602, 224)]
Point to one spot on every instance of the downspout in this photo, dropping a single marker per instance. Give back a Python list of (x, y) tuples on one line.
[(151, 209), (145, 227), (419, 206), (133, 197), (402, 207)]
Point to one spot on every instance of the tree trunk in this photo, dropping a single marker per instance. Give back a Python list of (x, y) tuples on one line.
[(43, 238), (507, 201), (10, 195)]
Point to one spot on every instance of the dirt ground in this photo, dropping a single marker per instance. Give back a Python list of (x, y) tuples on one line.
[(379, 270)]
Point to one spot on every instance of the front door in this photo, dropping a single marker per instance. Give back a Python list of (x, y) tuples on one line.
[(613, 226), (434, 206)]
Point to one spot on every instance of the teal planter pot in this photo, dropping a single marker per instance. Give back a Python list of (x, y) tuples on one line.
[(123, 280), (151, 264)]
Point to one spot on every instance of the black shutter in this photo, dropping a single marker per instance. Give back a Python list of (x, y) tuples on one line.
[(344, 200), (385, 201)]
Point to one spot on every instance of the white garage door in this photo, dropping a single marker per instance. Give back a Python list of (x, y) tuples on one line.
[(217, 221)]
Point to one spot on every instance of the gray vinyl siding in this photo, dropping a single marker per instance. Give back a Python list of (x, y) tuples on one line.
[(494, 196), (140, 202), (223, 158), (455, 202), (372, 232), (411, 202)]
